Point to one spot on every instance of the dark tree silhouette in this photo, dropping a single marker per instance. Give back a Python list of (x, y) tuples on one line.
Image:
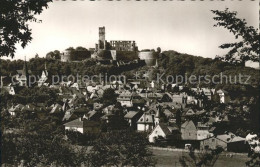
[(121, 148), (14, 28), (109, 96), (203, 158), (245, 50)]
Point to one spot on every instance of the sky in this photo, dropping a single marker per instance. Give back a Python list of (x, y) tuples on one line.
[(183, 26)]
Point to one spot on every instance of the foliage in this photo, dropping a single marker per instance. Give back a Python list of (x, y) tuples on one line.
[(121, 148), (78, 138), (53, 55), (15, 15), (254, 159), (203, 158), (174, 64), (41, 94), (109, 96), (245, 50), (35, 141)]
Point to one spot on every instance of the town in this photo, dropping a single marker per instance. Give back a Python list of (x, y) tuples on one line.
[(180, 116)]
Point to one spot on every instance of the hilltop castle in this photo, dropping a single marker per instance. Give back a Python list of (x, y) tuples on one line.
[(115, 50)]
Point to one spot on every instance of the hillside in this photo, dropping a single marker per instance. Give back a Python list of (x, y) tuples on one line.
[(169, 62)]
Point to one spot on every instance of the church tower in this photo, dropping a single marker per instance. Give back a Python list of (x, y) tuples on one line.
[(157, 116), (25, 74)]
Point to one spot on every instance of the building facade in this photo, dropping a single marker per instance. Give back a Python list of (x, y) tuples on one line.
[(123, 45)]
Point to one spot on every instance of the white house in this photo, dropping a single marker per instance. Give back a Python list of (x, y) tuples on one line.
[(75, 125), (223, 96), (203, 131), (145, 123), (159, 131), (125, 98)]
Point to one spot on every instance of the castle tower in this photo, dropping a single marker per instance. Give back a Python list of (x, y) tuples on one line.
[(102, 38)]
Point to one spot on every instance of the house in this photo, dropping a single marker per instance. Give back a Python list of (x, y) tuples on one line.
[(180, 98), (107, 118), (125, 98), (229, 142), (83, 126), (132, 117), (223, 96), (57, 108), (15, 109), (97, 106), (145, 123), (164, 132), (166, 98), (203, 131), (116, 84), (208, 92), (31, 108), (188, 112), (159, 131), (69, 115), (168, 113), (9, 89), (130, 99), (92, 115), (109, 109), (188, 131), (134, 85), (92, 88)]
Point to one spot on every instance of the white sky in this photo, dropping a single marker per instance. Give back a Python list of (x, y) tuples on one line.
[(183, 26)]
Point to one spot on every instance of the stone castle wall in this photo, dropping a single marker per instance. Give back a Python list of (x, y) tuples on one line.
[(149, 57)]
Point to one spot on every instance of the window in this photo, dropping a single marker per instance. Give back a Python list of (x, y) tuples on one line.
[(189, 134), (213, 140)]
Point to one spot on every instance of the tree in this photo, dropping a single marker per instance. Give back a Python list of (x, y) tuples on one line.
[(80, 48), (203, 158), (15, 16), (53, 55), (159, 50), (121, 148), (109, 96), (245, 50), (254, 157), (39, 142)]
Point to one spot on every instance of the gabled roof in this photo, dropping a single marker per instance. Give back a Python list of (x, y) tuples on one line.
[(187, 123), (75, 123), (68, 114), (81, 123), (188, 112), (200, 112), (230, 137), (107, 116), (165, 129), (167, 112), (20, 72), (90, 114), (146, 119), (56, 108), (222, 91), (130, 114)]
